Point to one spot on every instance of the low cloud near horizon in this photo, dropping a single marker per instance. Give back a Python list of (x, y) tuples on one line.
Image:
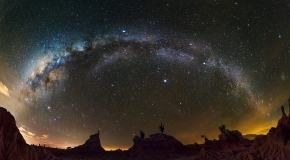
[(4, 90), (45, 136), (26, 133), (32, 136), (42, 139)]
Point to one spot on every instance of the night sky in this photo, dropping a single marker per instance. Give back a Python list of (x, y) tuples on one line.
[(69, 68)]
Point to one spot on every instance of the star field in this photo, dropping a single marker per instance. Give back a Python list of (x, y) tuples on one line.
[(70, 68)]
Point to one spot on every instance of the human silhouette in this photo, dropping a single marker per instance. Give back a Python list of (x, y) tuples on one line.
[(161, 128), (142, 134)]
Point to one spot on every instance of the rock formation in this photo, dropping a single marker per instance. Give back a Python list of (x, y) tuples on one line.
[(229, 146), (158, 146), (92, 145), (13, 145), (90, 149), (276, 144)]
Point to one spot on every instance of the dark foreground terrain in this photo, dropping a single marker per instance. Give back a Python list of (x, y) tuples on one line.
[(230, 145)]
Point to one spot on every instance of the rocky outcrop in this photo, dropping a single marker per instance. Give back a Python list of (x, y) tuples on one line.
[(159, 146), (92, 145), (276, 144), (229, 146), (13, 145), (91, 149)]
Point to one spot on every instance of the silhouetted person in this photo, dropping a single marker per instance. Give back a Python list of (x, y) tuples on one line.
[(142, 134), (161, 128), (98, 131)]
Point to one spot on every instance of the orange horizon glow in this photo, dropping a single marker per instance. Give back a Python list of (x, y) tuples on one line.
[(254, 131), (255, 126)]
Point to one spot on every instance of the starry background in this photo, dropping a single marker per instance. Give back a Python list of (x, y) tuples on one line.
[(69, 68)]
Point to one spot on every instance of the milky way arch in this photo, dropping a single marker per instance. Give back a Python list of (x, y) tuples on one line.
[(133, 81)]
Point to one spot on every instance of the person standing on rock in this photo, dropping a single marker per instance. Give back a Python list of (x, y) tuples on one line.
[(161, 128)]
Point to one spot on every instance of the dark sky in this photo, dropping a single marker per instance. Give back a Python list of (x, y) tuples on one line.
[(69, 68)]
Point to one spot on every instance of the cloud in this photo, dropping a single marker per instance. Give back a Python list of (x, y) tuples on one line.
[(45, 136), (26, 133), (4, 90), (30, 134)]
